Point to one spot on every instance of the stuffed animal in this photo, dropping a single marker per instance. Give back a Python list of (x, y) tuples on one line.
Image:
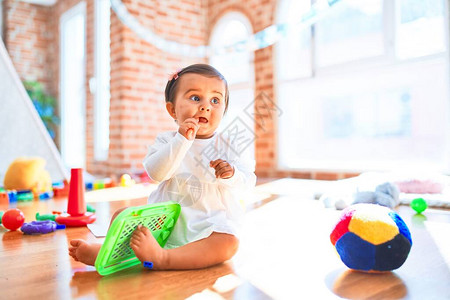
[(371, 238), (28, 173), (385, 194)]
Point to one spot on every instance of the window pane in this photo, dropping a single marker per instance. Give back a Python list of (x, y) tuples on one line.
[(294, 49), (376, 115), (352, 30), (237, 67), (230, 33), (382, 120), (239, 109), (102, 72), (420, 28), (72, 83)]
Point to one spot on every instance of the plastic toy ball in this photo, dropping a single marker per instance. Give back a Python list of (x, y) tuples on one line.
[(126, 180), (13, 218), (419, 205), (371, 238)]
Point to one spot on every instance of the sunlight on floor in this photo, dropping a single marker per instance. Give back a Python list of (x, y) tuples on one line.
[(206, 295), (438, 230), (227, 283)]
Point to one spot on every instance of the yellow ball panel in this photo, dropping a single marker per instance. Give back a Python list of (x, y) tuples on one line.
[(373, 224)]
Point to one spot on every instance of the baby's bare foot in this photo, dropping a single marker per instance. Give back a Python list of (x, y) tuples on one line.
[(84, 252), (147, 248)]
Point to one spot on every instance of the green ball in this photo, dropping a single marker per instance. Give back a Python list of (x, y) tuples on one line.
[(419, 205)]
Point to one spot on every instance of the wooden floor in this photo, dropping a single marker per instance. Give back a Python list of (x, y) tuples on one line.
[(285, 253)]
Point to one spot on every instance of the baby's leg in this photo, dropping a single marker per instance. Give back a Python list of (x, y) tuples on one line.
[(215, 249), (84, 252), (116, 213)]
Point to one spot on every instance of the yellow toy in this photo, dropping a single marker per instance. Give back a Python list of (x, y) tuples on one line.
[(126, 180), (28, 173)]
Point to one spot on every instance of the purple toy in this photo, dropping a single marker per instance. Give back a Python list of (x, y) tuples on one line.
[(38, 227)]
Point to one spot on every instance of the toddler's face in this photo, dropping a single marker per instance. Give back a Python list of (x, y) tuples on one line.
[(202, 98)]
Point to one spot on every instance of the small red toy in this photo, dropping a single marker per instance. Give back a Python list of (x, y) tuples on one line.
[(13, 218)]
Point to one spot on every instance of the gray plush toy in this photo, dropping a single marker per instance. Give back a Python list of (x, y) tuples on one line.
[(386, 194)]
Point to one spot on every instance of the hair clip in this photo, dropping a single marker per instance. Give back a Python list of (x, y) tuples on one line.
[(174, 76)]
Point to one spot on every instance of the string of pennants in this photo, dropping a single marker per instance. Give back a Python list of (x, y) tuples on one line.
[(264, 38)]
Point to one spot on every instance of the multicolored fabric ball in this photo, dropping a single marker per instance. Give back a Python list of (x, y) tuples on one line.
[(370, 237)]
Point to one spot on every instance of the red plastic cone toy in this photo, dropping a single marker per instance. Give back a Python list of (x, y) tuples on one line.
[(76, 207)]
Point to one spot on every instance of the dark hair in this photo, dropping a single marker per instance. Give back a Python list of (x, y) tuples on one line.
[(201, 69)]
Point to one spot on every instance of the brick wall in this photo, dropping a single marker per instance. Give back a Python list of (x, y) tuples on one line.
[(29, 41), (139, 71)]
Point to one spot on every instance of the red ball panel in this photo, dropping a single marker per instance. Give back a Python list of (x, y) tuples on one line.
[(341, 227)]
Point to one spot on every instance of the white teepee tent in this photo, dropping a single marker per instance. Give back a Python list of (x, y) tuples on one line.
[(22, 132)]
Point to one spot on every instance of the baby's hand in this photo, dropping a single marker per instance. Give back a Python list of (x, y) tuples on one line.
[(189, 128), (223, 168)]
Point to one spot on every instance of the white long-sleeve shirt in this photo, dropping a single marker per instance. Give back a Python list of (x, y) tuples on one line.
[(208, 204)]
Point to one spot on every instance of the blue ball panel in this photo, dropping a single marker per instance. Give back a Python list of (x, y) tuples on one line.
[(401, 226), (392, 254), (355, 252)]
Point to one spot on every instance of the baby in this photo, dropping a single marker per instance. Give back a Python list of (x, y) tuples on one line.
[(201, 169)]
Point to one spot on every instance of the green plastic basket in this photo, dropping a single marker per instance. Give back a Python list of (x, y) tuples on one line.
[(116, 253)]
